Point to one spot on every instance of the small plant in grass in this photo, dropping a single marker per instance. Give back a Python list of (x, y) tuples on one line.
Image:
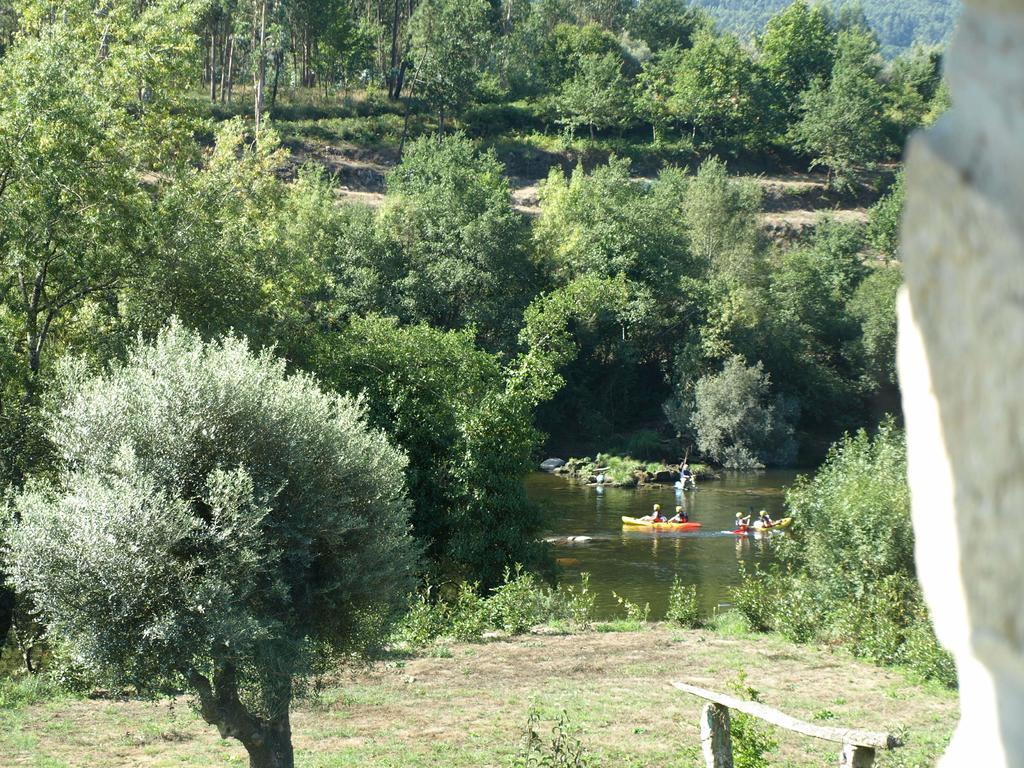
[(683, 608), (578, 602), (634, 612), (751, 740), (730, 624), (564, 750)]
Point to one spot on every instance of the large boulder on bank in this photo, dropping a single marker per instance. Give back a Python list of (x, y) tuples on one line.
[(550, 465), (666, 476)]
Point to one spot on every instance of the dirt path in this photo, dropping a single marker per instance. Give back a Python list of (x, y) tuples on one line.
[(467, 706)]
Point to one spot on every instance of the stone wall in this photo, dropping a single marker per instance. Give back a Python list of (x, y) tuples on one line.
[(961, 363)]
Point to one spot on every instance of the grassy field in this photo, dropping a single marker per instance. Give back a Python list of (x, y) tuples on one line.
[(467, 705)]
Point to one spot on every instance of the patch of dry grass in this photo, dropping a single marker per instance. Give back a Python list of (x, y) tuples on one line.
[(469, 709)]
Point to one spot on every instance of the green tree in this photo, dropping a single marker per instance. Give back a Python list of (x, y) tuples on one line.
[(873, 304), (913, 82), (455, 245), (720, 214), (605, 223), (808, 340), (595, 96), (89, 105), (737, 422), (666, 23), (884, 220), (449, 42), (441, 398), (717, 90), (842, 120), (466, 422), (797, 46), (216, 525), (654, 92)]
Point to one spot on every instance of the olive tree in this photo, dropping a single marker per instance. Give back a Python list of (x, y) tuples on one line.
[(216, 526), (736, 421)]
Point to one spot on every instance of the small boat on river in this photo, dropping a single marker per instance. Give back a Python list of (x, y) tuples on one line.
[(636, 522)]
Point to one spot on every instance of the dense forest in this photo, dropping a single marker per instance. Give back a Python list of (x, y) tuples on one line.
[(198, 332), (899, 25)]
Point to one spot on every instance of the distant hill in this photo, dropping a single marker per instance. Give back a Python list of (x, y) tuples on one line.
[(898, 23)]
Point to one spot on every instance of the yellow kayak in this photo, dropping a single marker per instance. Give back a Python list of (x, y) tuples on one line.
[(635, 521), (783, 523)]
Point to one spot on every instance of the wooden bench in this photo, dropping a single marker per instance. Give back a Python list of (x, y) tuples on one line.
[(716, 743)]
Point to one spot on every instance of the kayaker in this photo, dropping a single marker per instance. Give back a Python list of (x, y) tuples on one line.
[(655, 516), (765, 519), (680, 516), (742, 521)]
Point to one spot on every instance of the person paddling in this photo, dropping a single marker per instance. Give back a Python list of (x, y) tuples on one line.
[(680, 516), (655, 516), (743, 522), (764, 519)]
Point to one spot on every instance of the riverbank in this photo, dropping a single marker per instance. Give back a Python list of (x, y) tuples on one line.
[(467, 705), (626, 472)]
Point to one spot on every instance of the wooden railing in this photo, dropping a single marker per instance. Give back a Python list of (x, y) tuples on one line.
[(858, 749)]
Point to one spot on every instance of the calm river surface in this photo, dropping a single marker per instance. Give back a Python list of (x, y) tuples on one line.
[(639, 564)]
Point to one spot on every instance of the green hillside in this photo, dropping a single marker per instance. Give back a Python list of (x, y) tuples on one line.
[(898, 24)]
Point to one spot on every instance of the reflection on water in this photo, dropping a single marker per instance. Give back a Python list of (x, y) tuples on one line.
[(639, 564)]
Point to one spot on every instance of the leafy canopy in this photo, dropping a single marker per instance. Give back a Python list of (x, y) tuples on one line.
[(214, 523)]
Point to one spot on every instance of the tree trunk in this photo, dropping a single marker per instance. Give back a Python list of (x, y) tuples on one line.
[(275, 749), (393, 71), (260, 75), (225, 70), (6, 611), (213, 67), (267, 740), (229, 74), (278, 59)]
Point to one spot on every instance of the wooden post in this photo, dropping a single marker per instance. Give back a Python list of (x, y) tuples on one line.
[(854, 756), (715, 741)]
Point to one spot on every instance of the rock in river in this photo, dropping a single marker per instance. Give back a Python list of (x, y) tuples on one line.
[(550, 465)]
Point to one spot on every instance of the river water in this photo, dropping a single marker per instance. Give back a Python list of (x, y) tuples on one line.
[(640, 564)]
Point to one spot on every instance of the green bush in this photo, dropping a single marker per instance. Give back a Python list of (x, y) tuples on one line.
[(922, 653), (752, 598), (751, 740), (25, 691), (848, 575), (683, 608), (646, 444), (423, 621), (515, 606), (575, 603), (468, 617)]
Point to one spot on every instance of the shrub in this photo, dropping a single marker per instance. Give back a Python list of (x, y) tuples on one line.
[(923, 654), (683, 608), (751, 740), (25, 691), (848, 573), (752, 598), (515, 606), (468, 615)]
